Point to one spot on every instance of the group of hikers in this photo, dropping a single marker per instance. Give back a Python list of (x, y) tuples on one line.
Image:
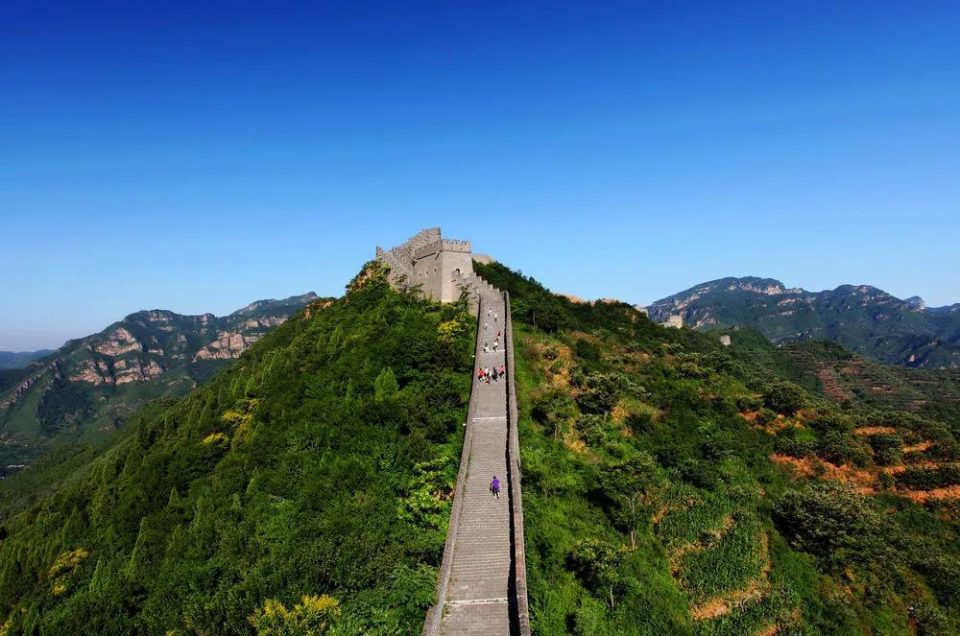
[(496, 344), (492, 373), (487, 374)]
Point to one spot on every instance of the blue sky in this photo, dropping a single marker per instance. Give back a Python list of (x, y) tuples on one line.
[(197, 156)]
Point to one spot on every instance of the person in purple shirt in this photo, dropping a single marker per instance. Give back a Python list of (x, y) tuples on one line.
[(495, 487)]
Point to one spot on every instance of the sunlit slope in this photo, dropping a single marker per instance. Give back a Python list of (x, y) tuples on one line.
[(676, 486), (316, 471)]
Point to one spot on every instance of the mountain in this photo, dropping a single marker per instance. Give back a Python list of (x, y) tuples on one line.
[(308, 482), (89, 387), (20, 359), (864, 319), (671, 484)]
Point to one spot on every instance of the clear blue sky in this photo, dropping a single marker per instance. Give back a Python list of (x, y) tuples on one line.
[(195, 156)]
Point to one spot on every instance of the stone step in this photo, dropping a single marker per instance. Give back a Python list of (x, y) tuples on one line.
[(482, 558)]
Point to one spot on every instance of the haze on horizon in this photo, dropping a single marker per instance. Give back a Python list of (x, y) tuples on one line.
[(198, 156)]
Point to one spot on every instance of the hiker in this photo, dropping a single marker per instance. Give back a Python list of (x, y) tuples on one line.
[(495, 487)]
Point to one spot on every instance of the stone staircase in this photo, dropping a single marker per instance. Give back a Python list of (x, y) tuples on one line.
[(482, 583), (400, 258)]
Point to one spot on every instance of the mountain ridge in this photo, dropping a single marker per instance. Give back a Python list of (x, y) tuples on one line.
[(88, 387), (21, 359), (864, 318)]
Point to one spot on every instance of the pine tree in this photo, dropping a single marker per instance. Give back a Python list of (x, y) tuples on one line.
[(385, 386)]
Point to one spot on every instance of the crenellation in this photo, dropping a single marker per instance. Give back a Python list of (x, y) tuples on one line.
[(438, 266)]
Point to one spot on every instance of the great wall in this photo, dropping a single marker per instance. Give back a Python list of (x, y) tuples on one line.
[(482, 585)]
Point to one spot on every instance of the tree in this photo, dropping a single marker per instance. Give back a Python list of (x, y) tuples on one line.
[(784, 397), (597, 564), (832, 521), (632, 485), (385, 386)]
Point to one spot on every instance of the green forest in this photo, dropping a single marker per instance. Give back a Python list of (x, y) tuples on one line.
[(676, 486), (671, 486), (304, 490)]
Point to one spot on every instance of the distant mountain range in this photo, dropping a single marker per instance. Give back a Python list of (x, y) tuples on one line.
[(20, 359), (862, 318), (87, 388)]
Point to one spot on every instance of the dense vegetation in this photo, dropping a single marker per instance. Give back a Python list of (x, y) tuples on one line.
[(671, 485), (89, 387), (855, 380), (303, 491), (675, 486)]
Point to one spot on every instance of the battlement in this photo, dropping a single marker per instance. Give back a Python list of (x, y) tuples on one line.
[(442, 245), (453, 245), (435, 264)]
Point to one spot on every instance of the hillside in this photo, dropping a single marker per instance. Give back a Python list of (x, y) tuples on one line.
[(676, 486), (671, 485), (89, 387), (309, 481), (863, 319), (20, 359)]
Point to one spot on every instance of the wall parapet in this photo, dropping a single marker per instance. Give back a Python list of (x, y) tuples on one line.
[(516, 497)]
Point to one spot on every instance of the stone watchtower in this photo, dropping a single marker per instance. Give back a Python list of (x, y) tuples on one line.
[(440, 267)]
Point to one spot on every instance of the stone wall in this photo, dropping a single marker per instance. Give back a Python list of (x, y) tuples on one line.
[(522, 610), (437, 265)]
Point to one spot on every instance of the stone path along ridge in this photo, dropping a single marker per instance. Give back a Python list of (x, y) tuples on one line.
[(477, 590)]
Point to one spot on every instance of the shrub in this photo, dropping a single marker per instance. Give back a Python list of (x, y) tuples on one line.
[(929, 478), (838, 448), (831, 522), (591, 428), (310, 617), (887, 449), (784, 397), (598, 392), (586, 350), (553, 410), (597, 564), (749, 403), (766, 416)]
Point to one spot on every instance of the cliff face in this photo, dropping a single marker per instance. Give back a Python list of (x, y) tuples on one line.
[(89, 386), (863, 318)]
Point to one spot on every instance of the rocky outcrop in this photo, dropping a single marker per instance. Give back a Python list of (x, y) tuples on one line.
[(227, 346), (25, 385), (136, 371), (91, 372), (119, 342)]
